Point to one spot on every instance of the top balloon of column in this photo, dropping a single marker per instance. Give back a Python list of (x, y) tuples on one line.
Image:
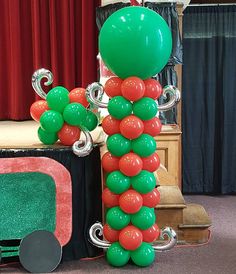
[(135, 41)]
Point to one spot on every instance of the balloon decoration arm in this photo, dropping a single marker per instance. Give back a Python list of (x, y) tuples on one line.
[(172, 240), (174, 98), (36, 81), (93, 98), (81, 149), (97, 227)]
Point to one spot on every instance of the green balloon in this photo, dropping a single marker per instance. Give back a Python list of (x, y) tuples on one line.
[(145, 108), (143, 255), (91, 121), (144, 218), (117, 255), (74, 114), (119, 107), (144, 182), (144, 145), (118, 145), (117, 182), (47, 138), (58, 98), (51, 121), (116, 218), (135, 41)]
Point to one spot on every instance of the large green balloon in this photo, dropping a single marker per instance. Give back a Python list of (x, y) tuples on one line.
[(74, 114), (119, 107), (91, 121), (144, 255), (118, 145), (144, 145), (144, 218), (47, 138), (145, 108), (117, 182), (135, 41), (116, 218), (58, 98), (51, 121), (117, 255), (144, 182)]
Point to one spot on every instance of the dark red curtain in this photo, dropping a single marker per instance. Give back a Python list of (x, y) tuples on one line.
[(59, 35)]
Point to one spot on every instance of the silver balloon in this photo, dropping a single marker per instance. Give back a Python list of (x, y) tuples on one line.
[(174, 98), (36, 81), (172, 240), (94, 229), (81, 148), (92, 97)]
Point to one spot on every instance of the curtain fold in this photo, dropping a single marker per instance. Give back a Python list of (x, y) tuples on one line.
[(59, 35), (168, 75), (209, 84)]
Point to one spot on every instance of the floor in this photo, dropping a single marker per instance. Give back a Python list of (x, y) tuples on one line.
[(218, 257)]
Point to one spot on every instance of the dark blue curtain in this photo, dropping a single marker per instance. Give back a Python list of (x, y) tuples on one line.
[(209, 100)]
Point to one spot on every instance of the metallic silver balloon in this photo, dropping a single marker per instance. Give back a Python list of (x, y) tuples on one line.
[(174, 98), (94, 229), (36, 81), (172, 236), (92, 97), (81, 148)]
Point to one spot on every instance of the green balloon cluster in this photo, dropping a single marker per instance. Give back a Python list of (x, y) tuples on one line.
[(143, 255), (144, 145), (60, 111), (144, 218), (116, 218), (144, 182), (117, 182), (118, 145), (117, 255), (119, 107)]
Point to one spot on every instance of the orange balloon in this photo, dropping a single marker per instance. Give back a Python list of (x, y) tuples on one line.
[(130, 237), (38, 108), (109, 198), (151, 234), (112, 87), (151, 163), (69, 134), (110, 162), (152, 127), (151, 199), (130, 164), (77, 95), (131, 127), (110, 234), (111, 125), (133, 88), (153, 89), (130, 201)]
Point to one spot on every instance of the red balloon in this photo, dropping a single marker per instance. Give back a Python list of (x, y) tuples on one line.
[(151, 234), (130, 201), (130, 164), (151, 163), (110, 162), (110, 234), (151, 199), (109, 198), (37, 109), (133, 88), (111, 125), (152, 127), (130, 237), (153, 89), (69, 134), (112, 87), (77, 95), (131, 127)]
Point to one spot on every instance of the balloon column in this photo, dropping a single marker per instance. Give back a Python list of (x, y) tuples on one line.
[(135, 44), (62, 115)]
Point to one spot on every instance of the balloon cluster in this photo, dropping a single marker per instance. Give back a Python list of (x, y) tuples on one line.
[(62, 116), (131, 192)]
